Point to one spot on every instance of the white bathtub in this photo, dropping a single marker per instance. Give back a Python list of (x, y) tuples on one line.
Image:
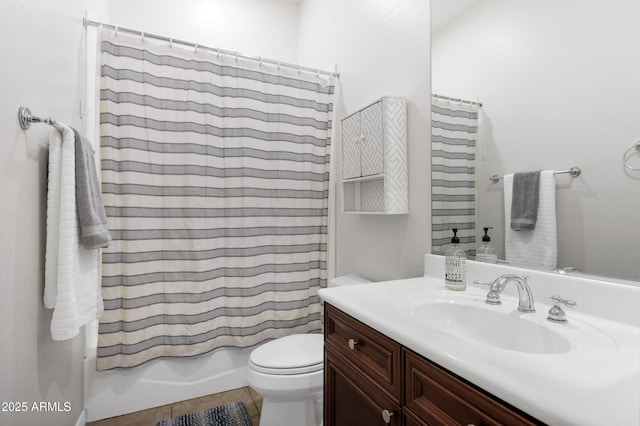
[(113, 393)]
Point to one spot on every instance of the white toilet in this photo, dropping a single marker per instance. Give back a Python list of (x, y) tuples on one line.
[(289, 372)]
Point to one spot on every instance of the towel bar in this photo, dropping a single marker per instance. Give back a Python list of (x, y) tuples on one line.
[(628, 153), (574, 172), (25, 118)]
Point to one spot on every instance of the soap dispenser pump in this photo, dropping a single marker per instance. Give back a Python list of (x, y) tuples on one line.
[(486, 252), (455, 265)]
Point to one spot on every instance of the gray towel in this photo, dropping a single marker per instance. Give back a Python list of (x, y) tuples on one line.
[(91, 214), (524, 202)]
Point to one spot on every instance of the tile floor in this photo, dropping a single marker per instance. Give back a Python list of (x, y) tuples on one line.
[(152, 416)]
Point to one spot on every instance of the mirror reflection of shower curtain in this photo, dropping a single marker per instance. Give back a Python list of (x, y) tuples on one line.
[(454, 131), (215, 178)]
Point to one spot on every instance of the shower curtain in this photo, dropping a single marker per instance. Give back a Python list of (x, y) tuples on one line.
[(454, 129), (215, 179)]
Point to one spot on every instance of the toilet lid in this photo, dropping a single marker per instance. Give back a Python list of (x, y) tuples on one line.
[(295, 354)]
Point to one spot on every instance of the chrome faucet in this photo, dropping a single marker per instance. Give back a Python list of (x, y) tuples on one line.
[(524, 292)]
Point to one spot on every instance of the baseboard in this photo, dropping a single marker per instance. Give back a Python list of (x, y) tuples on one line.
[(82, 420)]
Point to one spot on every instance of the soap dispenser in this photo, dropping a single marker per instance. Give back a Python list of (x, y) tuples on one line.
[(455, 265), (486, 252)]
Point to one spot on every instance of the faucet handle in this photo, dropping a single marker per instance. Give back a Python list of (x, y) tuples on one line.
[(568, 303), (556, 313)]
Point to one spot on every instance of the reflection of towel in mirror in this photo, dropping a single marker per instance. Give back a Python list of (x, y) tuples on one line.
[(524, 201), (537, 247)]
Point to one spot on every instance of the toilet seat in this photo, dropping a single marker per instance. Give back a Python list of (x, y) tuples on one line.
[(289, 355)]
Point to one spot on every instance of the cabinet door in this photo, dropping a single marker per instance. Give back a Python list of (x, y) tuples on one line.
[(411, 419), (351, 167), (437, 397), (372, 149), (352, 400)]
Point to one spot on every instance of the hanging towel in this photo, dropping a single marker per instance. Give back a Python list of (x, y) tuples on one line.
[(538, 247), (91, 214), (71, 271), (53, 220), (524, 200)]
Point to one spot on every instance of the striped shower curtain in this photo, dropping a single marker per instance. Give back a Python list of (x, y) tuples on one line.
[(215, 180), (454, 129)]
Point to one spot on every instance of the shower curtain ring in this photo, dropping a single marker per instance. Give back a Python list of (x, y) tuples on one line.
[(170, 42), (196, 48)]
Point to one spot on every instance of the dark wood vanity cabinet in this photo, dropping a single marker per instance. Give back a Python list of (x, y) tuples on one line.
[(352, 400), (363, 373), (372, 380), (434, 396)]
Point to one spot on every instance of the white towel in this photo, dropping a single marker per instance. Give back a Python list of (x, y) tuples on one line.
[(71, 271), (53, 220), (538, 247)]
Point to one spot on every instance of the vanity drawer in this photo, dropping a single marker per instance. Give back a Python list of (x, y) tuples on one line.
[(373, 354), (439, 398)]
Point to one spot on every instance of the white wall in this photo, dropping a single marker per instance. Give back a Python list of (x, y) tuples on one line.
[(559, 83), (253, 27), (41, 45), (381, 48)]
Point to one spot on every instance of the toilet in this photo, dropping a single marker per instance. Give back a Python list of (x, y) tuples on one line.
[(289, 372)]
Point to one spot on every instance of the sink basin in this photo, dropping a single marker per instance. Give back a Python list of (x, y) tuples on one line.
[(501, 329)]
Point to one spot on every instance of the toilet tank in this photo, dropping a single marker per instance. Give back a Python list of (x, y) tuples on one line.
[(345, 280), (341, 281)]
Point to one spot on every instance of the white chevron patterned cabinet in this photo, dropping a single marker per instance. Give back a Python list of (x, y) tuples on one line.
[(374, 159)]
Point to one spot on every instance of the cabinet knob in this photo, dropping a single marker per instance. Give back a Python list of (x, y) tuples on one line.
[(352, 343), (386, 416)]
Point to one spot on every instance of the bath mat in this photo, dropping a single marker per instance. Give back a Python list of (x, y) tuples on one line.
[(232, 414)]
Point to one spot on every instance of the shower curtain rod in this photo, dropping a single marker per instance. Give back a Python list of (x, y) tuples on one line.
[(217, 50), (447, 98)]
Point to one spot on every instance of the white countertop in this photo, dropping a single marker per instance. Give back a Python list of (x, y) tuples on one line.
[(596, 382)]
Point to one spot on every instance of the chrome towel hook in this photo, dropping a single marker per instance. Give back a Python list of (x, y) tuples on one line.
[(628, 154)]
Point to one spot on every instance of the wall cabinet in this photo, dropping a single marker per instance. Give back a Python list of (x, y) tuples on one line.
[(374, 159), (372, 380)]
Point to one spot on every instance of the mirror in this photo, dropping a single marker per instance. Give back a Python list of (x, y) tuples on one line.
[(558, 81)]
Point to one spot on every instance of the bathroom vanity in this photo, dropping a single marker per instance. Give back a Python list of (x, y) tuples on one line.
[(370, 379), (409, 352)]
